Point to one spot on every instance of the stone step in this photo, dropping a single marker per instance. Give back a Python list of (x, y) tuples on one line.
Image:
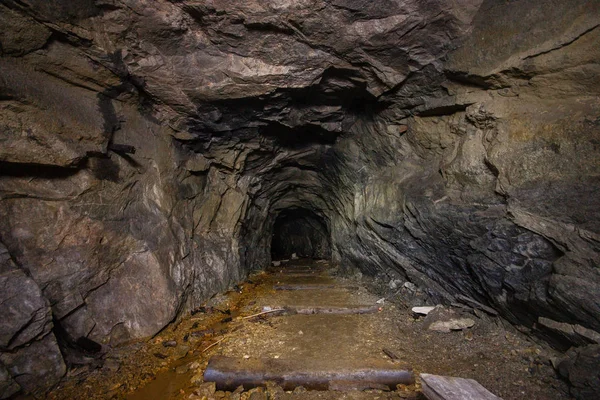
[(228, 373)]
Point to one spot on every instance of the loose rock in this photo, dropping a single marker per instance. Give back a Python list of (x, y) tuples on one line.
[(442, 319)]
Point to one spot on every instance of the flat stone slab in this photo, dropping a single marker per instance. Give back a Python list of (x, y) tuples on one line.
[(228, 373), (437, 387), (452, 325), (442, 319), (423, 310)]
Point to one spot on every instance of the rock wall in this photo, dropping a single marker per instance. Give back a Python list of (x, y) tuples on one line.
[(454, 145), (488, 191)]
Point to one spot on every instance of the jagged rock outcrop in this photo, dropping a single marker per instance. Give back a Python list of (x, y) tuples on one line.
[(451, 144), (496, 198), (576, 367)]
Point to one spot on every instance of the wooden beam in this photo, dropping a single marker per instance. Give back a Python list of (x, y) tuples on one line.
[(308, 310), (313, 286), (228, 373)]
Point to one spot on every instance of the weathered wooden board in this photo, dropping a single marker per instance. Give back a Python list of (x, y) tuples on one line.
[(437, 387), (315, 286), (300, 274), (307, 310), (228, 373)]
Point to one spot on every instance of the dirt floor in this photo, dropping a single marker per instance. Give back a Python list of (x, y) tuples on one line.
[(171, 365)]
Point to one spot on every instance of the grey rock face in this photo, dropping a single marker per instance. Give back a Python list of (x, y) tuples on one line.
[(8, 386), (450, 146), (561, 333), (30, 357), (24, 313), (37, 366), (580, 369)]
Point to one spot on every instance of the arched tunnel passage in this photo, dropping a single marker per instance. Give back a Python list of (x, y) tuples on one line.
[(302, 232)]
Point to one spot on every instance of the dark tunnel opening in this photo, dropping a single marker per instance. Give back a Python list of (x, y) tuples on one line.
[(302, 232)]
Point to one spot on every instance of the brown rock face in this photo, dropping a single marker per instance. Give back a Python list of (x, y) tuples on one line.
[(147, 149)]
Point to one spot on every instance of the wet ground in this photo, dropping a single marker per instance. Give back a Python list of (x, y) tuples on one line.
[(235, 324)]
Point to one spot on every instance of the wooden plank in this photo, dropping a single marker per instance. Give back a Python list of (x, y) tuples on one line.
[(314, 274), (315, 286), (308, 310), (437, 387), (228, 373), (299, 271)]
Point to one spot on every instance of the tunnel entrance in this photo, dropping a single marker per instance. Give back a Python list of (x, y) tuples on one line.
[(300, 231)]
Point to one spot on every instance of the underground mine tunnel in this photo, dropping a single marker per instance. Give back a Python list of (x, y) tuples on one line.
[(302, 233), (371, 196)]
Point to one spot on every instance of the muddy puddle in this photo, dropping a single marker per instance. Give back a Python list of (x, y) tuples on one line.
[(166, 385), (178, 380)]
